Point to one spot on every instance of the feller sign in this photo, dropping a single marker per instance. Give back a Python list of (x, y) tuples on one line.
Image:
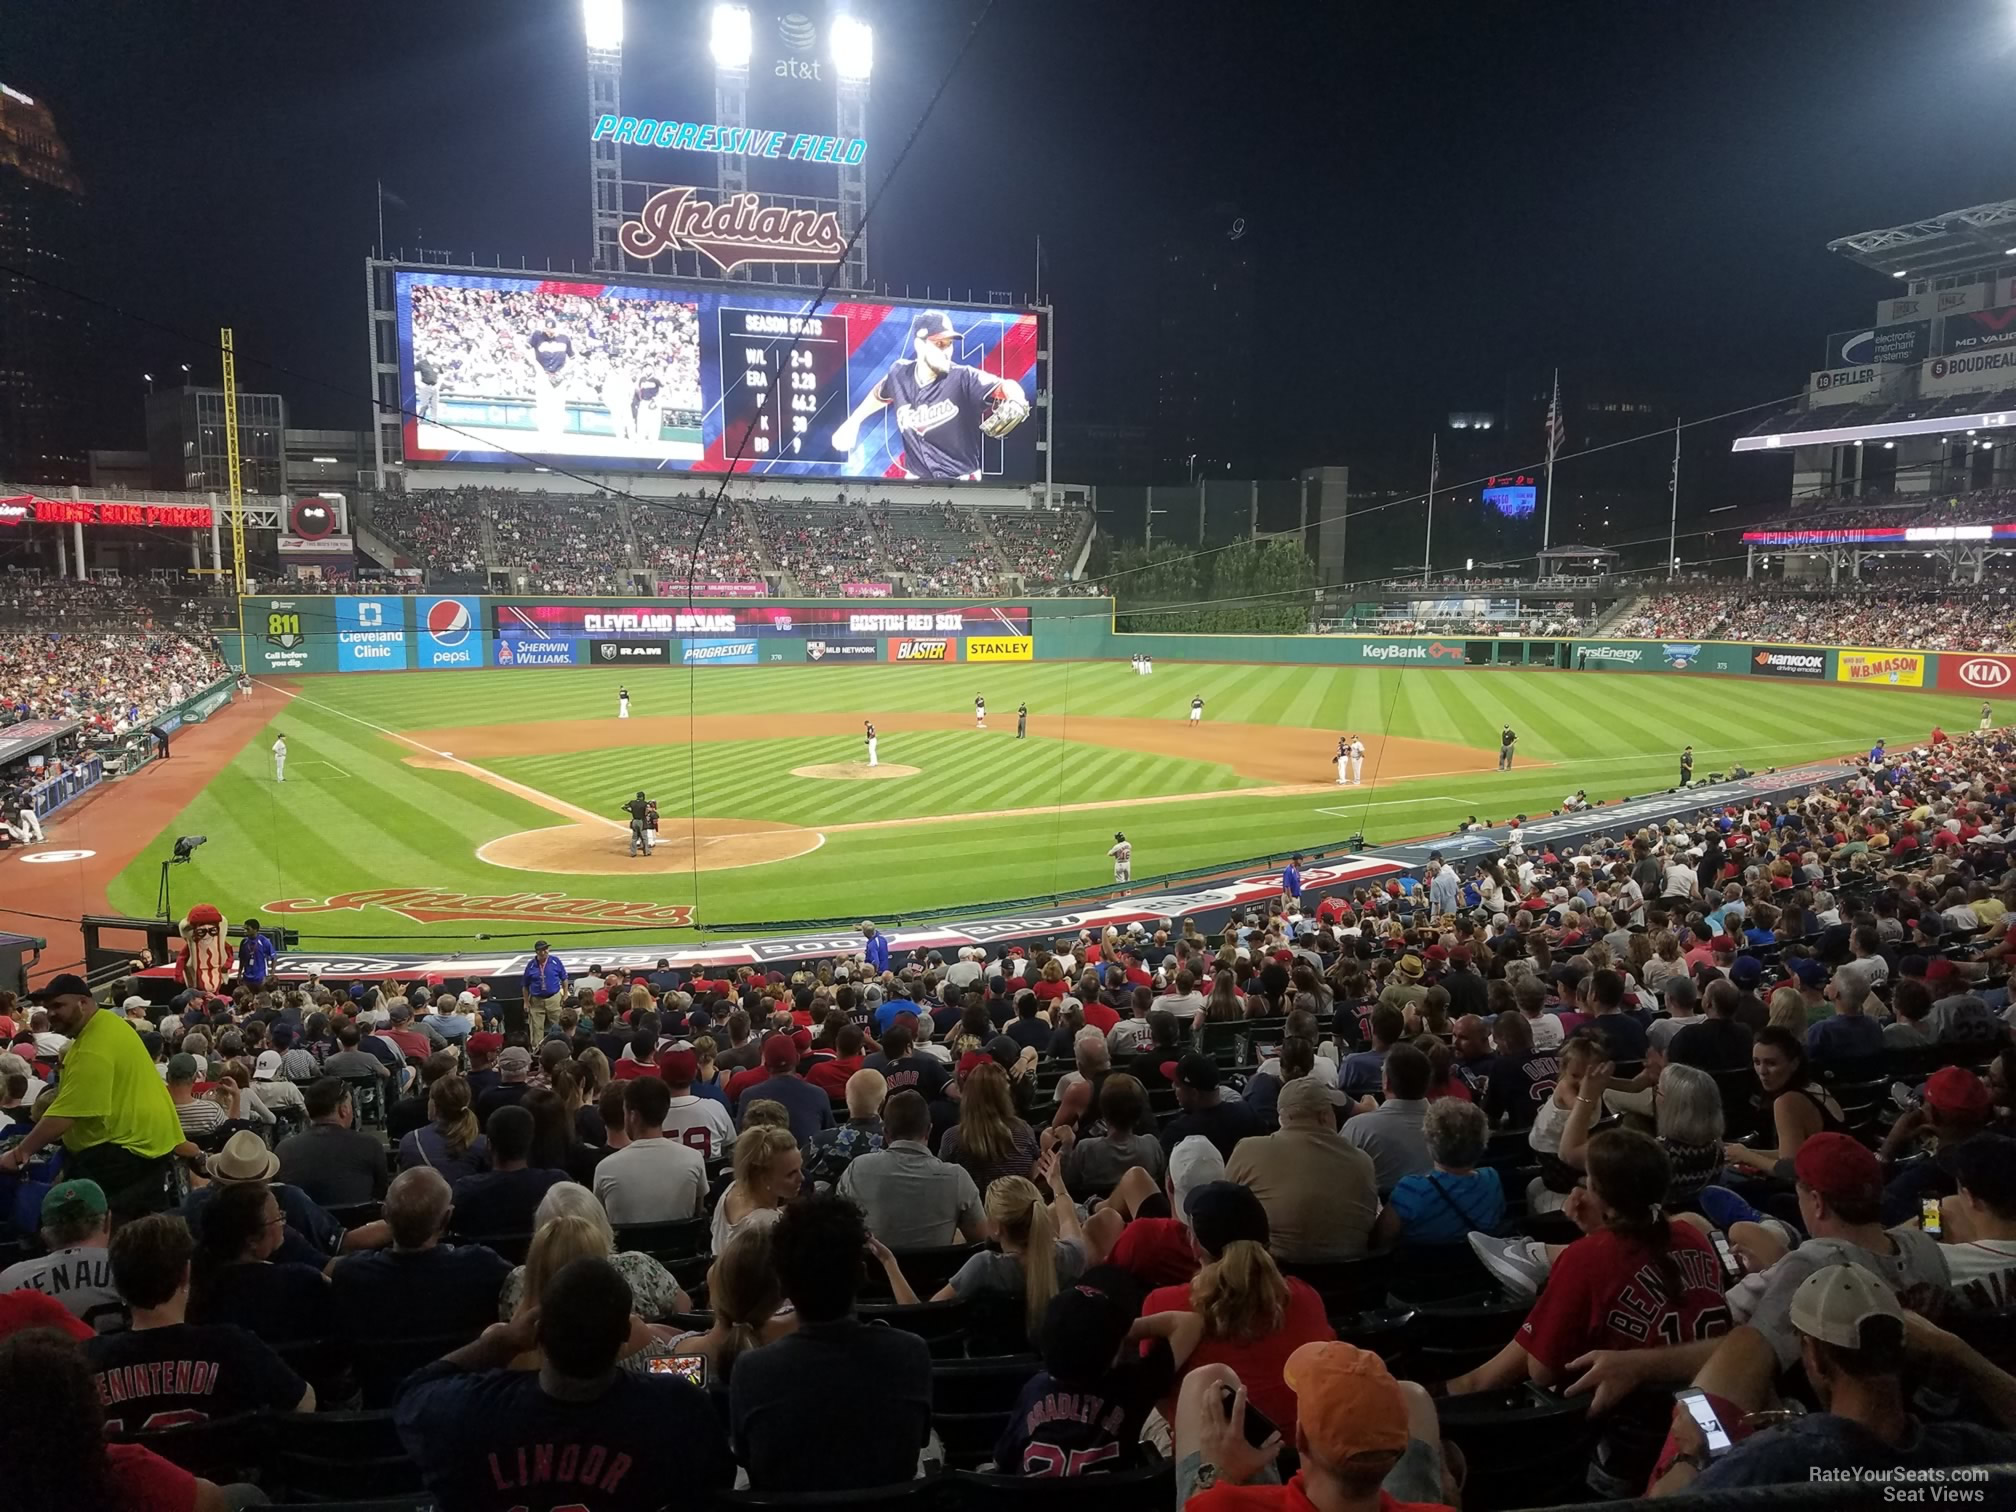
[(740, 229), (426, 906)]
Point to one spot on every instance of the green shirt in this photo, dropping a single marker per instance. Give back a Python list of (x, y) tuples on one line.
[(113, 1091)]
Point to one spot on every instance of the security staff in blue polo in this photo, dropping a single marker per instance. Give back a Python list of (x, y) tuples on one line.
[(545, 989), (255, 957)]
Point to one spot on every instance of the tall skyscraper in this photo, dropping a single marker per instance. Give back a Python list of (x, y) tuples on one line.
[(1204, 349), (44, 336)]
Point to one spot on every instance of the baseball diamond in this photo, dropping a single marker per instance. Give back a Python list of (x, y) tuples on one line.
[(506, 784)]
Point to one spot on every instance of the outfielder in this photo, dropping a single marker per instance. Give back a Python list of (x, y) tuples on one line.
[(1123, 858), (943, 408), (1197, 710), (1022, 722), (870, 728), (1357, 761), (280, 759), (980, 713), (639, 810), (622, 703)]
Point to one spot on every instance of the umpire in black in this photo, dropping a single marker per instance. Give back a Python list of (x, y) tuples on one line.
[(639, 810)]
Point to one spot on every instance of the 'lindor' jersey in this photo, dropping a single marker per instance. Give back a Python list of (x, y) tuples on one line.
[(939, 420)]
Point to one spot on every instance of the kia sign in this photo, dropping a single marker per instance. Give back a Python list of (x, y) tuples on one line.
[(1789, 661), (1986, 675), (448, 634)]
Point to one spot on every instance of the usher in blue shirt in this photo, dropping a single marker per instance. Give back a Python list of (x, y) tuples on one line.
[(547, 980)]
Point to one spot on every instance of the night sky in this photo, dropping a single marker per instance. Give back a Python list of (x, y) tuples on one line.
[(1436, 193)]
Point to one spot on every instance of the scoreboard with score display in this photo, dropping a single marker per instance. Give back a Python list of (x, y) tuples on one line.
[(1513, 497)]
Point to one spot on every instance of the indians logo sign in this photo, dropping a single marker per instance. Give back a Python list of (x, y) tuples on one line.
[(738, 230), (426, 905)]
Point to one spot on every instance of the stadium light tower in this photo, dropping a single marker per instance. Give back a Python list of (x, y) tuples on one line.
[(602, 24), (853, 44), (730, 38)]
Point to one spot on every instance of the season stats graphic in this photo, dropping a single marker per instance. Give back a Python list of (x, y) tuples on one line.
[(495, 368)]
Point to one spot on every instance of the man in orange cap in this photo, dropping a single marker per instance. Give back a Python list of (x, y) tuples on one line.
[(1367, 1443)]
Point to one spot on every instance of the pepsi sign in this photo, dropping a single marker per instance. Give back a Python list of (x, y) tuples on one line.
[(449, 632)]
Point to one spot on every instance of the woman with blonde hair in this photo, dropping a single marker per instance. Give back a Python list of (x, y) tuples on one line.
[(557, 1245), (1665, 960), (593, 1067), (1788, 1010), (989, 1140), (1253, 1317), (748, 1305), (654, 1294), (769, 1172), (451, 1142)]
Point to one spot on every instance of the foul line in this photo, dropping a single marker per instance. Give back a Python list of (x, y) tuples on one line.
[(545, 800)]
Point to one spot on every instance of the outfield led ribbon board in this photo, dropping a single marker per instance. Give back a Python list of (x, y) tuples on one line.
[(498, 368), (547, 633)]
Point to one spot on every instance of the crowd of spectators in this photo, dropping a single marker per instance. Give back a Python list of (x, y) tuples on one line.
[(113, 680), (563, 543), (1039, 545), (939, 550), (821, 548), (1835, 511), (666, 532), (1728, 1104), (442, 527), (1980, 618)]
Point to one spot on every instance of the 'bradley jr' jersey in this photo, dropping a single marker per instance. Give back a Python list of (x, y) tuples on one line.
[(939, 420)]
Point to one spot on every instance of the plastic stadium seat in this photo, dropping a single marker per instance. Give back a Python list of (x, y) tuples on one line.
[(315, 1455), (1151, 1488), (943, 1326), (512, 1247), (1345, 1286), (1740, 1096), (383, 1364), (928, 1491), (665, 1242), (356, 1214), (927, 1270), (1450, 1337), (222, 1449), (971, 1401), (1522, 1445), (1385, 1331)]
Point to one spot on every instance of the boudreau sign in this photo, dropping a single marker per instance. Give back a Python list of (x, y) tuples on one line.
[(740, 229)]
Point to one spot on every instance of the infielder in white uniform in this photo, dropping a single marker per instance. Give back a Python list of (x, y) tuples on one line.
[(979, 713), (280, 759), (1357, 761), (1343, 760), (1197, 711), (870, 728), (622, 703), (1123, 858)]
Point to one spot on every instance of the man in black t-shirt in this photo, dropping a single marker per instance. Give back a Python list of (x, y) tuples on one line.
[(578, 1433), (904, 1067), (1207, 1110), (161, 1371), (420, 1285), (1716, 1042), (503, 1199)]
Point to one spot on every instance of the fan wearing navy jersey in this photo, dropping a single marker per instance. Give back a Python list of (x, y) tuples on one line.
[(942, 407), (549, 352), (579, 1432), (1082, 1413), (162, 1371)]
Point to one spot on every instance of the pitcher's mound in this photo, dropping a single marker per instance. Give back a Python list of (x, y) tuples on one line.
[(593, 850), (857, 771)]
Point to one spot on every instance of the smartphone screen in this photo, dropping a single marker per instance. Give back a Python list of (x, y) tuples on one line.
[(1259, 1427), (692, 1366), (1699, 1409), (1928, 1210), (1732, 1266)]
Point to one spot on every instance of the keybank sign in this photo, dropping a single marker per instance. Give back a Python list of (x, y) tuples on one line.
[(1406, 651)]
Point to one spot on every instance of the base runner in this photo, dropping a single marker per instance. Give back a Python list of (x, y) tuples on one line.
[(1123, 858)]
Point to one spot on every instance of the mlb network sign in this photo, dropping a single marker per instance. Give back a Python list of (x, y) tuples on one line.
[(446, 633)]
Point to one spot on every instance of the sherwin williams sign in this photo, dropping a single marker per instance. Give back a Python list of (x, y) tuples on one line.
[(1897, 669)]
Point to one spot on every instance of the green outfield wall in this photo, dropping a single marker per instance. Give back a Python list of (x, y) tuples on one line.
[(389, 632)]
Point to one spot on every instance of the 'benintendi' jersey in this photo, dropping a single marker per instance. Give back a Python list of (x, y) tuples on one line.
[(940, 420)]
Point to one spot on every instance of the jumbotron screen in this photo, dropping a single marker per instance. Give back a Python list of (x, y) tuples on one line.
[(496, 368)]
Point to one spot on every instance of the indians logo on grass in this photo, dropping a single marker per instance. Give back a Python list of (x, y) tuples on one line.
[(426, 905), (448, 621)]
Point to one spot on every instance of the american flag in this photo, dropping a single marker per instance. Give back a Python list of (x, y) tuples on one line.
[(1555, 427)]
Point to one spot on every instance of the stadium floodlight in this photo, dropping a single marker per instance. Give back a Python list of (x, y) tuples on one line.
[(2009, 251), (602, 20), (730, 38), (853, 44), (1901, 273)]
